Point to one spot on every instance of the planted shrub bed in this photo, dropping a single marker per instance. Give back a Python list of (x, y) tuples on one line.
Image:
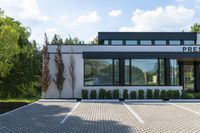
[(140, 94)]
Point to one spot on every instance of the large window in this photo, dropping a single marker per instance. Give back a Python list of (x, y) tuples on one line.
[(189, 42), (100, 72), (174, 72), (144, 71), (116, 42), (131, 42), (160, 42), (145, 42), (175, 42)]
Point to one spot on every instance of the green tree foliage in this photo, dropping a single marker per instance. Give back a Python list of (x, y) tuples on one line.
[(19, 61), (195, 28), (74, 40), (56, 40)]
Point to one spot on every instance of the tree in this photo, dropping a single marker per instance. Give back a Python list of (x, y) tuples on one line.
[(74, 40), (94, 41), (195, 28), (56, 40), (72, 74), (60, 70), (19, 60), (9, 36), (45, 78)]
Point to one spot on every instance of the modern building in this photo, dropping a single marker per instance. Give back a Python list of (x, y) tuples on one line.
[(133, 61)]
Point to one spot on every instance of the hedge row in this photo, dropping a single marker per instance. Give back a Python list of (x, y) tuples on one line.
[(103, 94), (114, 94)]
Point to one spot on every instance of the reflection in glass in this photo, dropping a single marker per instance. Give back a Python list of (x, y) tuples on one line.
[(131, 42), (162, 71), (189, 42), (105, 42), (127, 72), (98, 72), (145, 42), (174, 72), (144, 71), (175, 42), (160, 42), (116, 42), (188, 77), (116, 71)]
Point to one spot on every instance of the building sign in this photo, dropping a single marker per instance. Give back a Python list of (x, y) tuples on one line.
[(191, 49)]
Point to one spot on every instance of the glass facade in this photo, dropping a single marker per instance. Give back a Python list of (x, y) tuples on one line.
[(116, 42), (189, 42), (160, 42), (189, 77), (144, 71), (145, 42), (174, 42), (106, 42), (131, 42), (98, 72), (174, 72)]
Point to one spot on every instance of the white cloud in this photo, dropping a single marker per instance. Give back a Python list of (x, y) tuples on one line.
[(180, 0), (89, 18), (197, 3), (115, 13), (51, 31), (24, 9), (31, 10), (169, 18)]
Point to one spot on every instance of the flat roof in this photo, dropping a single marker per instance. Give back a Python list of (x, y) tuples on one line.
[(147, 35)]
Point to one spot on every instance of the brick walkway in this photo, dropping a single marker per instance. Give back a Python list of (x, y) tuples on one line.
[(99, 117)]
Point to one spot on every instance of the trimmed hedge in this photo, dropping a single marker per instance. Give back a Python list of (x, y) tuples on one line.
[(102, 94), (141, 94), (125, 94), (149, 94), (116, 94), (163, 94), (84, 94), (109, 94), (157, 94), (93, 94), (133, 95)]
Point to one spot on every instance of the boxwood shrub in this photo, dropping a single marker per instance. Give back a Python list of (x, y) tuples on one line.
[(169, 94), (186, 95), (84, 94), (125, 94), (93, 94), (141, 94), (163, 94), (156, 94), (133, 95), (102, 94), (116, 94), (176, 94), (149, 94), (109, 94)]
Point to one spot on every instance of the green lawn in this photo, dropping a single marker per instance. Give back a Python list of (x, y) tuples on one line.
[(11, 104)]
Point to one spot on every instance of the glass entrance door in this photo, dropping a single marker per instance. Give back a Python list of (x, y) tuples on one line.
[(189, 77)]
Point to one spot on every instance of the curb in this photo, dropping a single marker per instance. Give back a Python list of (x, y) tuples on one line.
[(145, 100), (99, 100), (57, 100), (184, 100)]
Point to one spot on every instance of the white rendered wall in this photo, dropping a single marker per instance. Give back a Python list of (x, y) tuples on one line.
[(52, 91)]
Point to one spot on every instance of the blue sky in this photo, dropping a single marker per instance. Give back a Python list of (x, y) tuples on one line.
[(84, 18)]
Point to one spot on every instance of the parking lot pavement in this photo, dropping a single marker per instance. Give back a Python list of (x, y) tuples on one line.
[(166, 117), (101, 117), (97, 117), (38, 117)]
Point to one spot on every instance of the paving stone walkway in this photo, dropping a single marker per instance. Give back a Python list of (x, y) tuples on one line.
[(102, 117)]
